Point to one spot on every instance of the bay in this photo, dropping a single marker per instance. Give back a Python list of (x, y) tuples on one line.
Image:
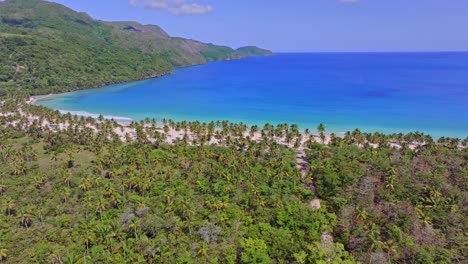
[(384, 92)]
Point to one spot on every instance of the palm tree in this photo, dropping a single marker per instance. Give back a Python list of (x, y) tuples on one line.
[(203, 251), (71, 258), (54, 259), (3, 255), (321, 131), (102, 230), (3, 188), (26, 221), (70, 161), (361, 213), (133, 227), (88, 240), (358, 137), (68, 177), (19, 166), (85, 185), (390, 179), (100, 207), (66, 193), (9, 206), (465, 142), (423, 217), (115, 201)]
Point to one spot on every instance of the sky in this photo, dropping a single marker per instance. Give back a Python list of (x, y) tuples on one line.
[(300, 25)]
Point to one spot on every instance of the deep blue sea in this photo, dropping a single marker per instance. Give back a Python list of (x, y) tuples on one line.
[(385, 92)]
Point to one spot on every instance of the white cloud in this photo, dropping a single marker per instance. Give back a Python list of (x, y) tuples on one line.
[(178, 7)]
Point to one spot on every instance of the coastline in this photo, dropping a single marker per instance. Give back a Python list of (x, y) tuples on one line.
[(337, 128), (33, 99), (125, 129), (126, 121), (173, 134), (153, 76)]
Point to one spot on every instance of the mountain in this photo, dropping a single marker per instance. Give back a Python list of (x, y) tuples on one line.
[(254, 51), (46, 47), (178, 51)]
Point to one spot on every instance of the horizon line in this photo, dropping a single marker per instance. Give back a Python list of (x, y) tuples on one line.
[(383, 51)]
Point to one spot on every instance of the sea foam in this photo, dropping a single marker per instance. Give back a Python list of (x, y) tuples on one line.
[(95, 116)]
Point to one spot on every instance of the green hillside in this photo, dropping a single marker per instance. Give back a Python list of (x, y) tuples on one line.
[(46, 47), (254, 51)]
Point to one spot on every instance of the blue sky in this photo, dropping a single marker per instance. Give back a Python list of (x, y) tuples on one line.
[(300, 25)]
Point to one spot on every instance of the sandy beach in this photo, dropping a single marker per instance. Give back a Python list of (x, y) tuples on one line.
[(172, 135)]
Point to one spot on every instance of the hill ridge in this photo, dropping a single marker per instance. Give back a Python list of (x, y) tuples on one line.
[(59, 49)]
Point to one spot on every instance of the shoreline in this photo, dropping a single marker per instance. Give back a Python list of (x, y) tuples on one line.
[(177, 134), (173, 134), (40, 96), (33, 98), (125, 121)]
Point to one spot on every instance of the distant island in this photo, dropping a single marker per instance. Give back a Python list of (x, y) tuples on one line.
[(49, 48)]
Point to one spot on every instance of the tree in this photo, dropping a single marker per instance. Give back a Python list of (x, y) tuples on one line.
[(9, 206), (26, 221), (3, 189), (254, 251), (321, 131), (100, 206), (3, 255), (88, 239)]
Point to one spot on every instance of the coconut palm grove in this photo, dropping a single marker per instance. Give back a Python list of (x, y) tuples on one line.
[(76, 189)]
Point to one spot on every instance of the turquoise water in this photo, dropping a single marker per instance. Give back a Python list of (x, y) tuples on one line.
[(385, 92)]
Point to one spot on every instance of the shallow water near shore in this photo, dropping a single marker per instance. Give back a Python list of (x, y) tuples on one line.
[(384, 92)]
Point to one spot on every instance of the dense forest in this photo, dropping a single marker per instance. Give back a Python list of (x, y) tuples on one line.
[(399, 206), (73, 191), (46, 47)]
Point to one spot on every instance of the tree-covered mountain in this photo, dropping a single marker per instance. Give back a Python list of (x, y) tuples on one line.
[(254, 51), (46, 47)]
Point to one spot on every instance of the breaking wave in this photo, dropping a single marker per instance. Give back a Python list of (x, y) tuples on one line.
[(93, 115)]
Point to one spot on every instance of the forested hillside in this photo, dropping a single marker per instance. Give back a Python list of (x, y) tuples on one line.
[(395, 206), (46, 47), (77, 190)]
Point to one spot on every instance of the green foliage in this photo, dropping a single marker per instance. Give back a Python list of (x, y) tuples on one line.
[(254, 251), (395, 204), (254, 51), (140, 203), (46, 48), (80, 194)]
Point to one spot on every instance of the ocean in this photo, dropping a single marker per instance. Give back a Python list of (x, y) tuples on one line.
[(384, 92)]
